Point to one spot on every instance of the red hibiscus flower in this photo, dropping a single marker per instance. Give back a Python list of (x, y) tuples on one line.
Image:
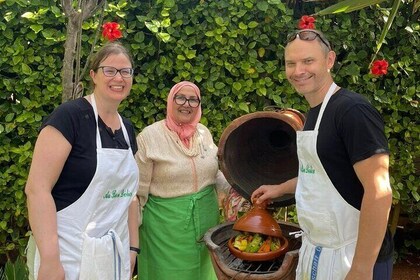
[(379, 67), (306, 22), (111, 31)]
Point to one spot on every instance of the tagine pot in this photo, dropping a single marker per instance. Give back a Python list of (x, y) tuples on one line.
[(258, 220)]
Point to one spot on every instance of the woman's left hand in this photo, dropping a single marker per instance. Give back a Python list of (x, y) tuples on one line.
[(133, 258)]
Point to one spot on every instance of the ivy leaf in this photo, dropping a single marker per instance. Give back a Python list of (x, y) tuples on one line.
[(244, 107), (219, 21), (243, 26), (9, 117), (151, 26), (164, 36), (28, 15), (219, 85), (26, 69), (189, 30), (209, 33), (252, 24), (262, 6), (166, 22), (276, 99), (353, 69), (8, 34), (139, 37), (169, 3), (237, 85), (261, 52), (190, 53), (36, 27)]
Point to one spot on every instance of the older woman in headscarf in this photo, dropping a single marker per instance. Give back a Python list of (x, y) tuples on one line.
[(179, 172)]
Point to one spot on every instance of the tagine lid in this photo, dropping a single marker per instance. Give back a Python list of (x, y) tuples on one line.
[(260, 149), (258, 220)]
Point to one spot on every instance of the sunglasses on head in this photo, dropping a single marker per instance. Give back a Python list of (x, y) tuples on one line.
[(307, 35)]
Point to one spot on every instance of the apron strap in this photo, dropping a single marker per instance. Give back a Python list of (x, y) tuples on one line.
[(117, 246), (315, 261), (98, 136), (324, 104), (191, 215)]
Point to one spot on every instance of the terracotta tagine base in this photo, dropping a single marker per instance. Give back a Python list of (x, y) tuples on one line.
[(259, 220), (284, 245)]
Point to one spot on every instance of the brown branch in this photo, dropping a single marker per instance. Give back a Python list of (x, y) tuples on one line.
[(72, 87), (69, 56)]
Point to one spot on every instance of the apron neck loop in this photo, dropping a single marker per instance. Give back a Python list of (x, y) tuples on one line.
[(98, 136), (324, 104)]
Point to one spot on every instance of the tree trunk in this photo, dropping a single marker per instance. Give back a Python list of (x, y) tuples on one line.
[(70, 56), (70, 79)]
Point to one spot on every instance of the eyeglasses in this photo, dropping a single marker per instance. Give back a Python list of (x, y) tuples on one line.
[(181, 100), (307, 35), (110, 71)]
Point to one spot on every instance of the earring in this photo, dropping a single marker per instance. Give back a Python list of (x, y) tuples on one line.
[(328, 70)]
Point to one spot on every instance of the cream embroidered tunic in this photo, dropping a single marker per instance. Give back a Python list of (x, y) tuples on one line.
[(169, 169)]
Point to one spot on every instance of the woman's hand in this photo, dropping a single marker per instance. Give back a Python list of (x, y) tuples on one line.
[(51, 271), (133, 257)]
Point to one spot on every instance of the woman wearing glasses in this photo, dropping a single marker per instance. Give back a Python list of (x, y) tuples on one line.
[(82, 184), (179, 169)]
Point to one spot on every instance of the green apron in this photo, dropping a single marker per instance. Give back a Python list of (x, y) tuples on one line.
[(171, 237)]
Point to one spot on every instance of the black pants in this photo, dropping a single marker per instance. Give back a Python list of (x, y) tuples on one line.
[(383, 270)]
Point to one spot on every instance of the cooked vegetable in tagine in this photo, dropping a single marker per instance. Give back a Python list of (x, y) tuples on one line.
[(256, 243)]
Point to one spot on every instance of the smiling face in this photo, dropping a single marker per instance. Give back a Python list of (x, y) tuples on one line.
[(184, 114), (307, 69), (115, 88)]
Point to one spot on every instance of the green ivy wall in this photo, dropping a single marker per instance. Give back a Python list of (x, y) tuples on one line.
[(233, 49)]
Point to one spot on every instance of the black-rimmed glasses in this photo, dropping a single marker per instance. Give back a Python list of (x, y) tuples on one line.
[(181, 100), (110, 71), (307, 35)]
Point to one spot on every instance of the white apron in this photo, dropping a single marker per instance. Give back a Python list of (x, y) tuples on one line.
[(93, 231), (329, 223)]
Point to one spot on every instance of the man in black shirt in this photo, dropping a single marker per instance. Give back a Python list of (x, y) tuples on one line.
[(343, 193)]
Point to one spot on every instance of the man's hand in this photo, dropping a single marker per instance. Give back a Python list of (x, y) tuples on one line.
[(266, 193)]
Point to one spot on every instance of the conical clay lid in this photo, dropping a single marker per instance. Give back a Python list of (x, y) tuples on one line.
[(258, 220)]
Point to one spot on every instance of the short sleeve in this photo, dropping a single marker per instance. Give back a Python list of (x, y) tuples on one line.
[(363, 132), (64, 119)]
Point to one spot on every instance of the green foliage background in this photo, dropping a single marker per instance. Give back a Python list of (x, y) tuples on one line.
[(233, 49)]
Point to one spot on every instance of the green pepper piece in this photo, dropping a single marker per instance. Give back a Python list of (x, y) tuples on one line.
[(275, 244), (255, 244)]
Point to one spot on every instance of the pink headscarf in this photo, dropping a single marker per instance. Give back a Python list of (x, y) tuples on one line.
[(185, 131)]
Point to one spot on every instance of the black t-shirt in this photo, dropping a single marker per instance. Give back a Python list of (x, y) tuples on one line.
[(351, 130), (75, 119)]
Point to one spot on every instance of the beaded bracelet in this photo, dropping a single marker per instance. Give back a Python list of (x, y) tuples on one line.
[(135, 249)]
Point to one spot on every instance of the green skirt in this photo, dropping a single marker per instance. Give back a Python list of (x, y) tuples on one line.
[(171, 237)]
